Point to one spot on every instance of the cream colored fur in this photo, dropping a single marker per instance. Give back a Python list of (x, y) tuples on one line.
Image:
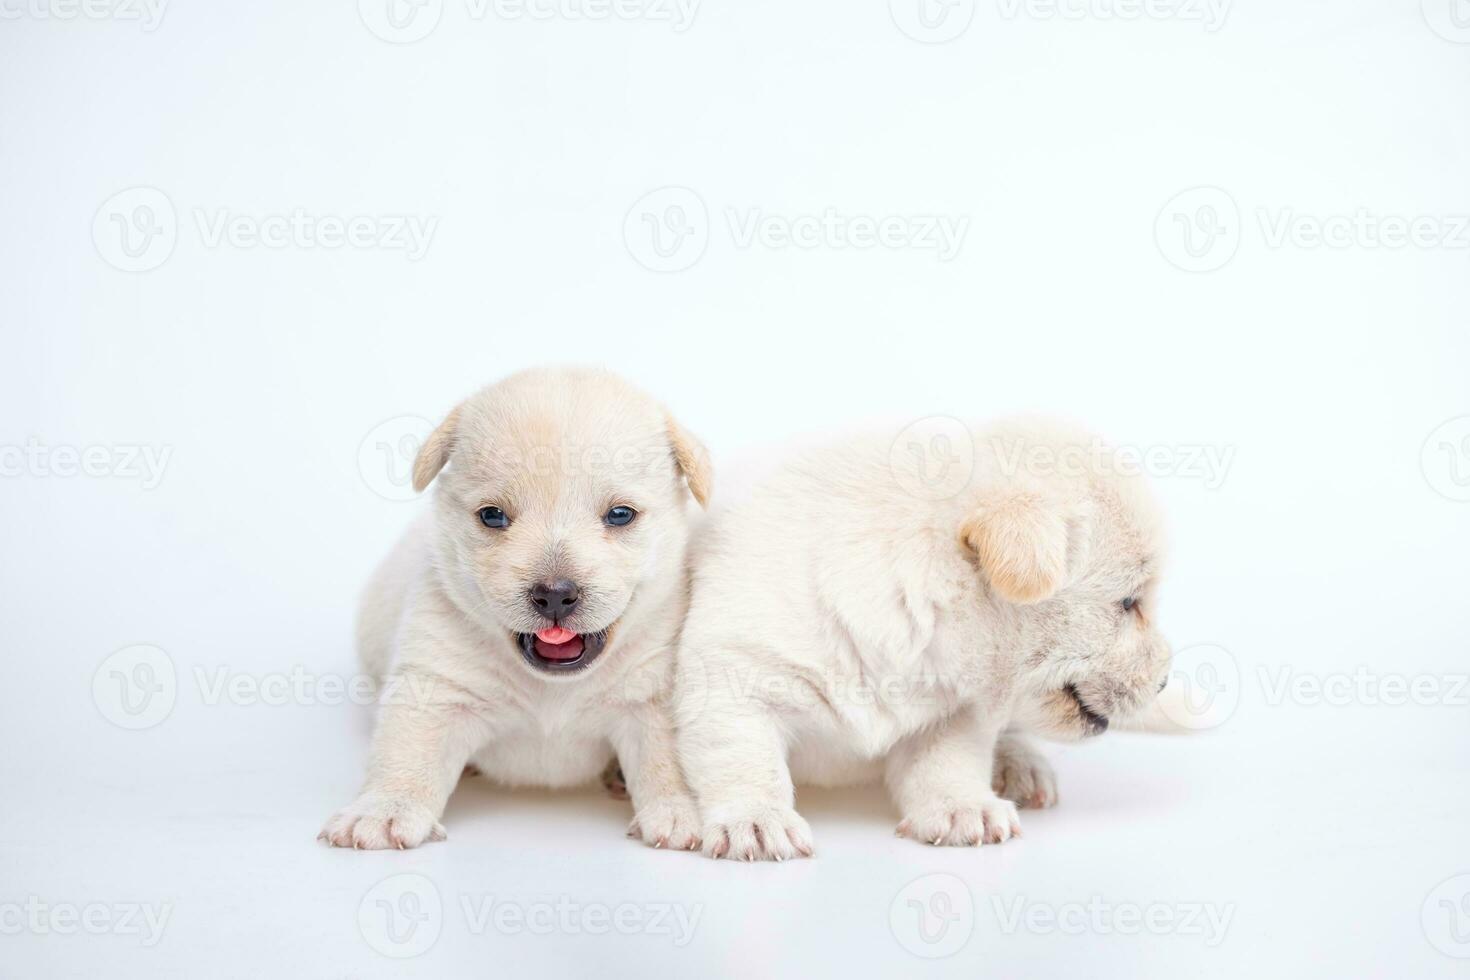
[(555, 449), (842, 627)]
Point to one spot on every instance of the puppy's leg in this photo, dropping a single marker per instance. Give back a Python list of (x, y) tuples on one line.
[(940, 780), (1022, 774), (420, 748), (733, 753), (664, 814)]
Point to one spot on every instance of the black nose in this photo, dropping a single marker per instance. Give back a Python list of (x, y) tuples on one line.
[(555, 599)]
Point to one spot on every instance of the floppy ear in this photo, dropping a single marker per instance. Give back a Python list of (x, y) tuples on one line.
[(1023, 540), (434, 453), (692, 459)]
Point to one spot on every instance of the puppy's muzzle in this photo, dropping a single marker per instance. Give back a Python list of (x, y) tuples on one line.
[(1094, 723), (556, 600)]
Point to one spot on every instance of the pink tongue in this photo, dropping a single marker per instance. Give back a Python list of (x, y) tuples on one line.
[(558, 643)]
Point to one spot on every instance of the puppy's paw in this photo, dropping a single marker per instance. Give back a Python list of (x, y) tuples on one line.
[(756, 833), (1023, 776), (671, 823), (375, 823), (953, 824)]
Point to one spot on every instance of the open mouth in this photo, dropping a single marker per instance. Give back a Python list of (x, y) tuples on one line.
[(557, 649), (1096, 723)]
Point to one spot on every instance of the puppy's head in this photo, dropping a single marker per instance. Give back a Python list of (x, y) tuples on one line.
[(1075, 552), (562, 493)]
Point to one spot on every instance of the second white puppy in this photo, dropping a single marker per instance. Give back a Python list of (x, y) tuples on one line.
[(855, 615)]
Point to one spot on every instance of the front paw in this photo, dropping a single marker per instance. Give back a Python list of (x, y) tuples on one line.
[(671, 823), (374, 823), (1023, 776), (956, 824), (756, 832)]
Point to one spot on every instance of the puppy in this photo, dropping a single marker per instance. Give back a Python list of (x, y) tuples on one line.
[(847, 622), (526, 626)]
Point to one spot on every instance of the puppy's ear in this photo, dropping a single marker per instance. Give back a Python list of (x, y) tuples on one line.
[(1026, 541), (692, 459), (434, 453)]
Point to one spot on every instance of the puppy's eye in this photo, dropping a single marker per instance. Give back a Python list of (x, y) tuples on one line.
[(619, 516), (1128, 604), (493, 517)]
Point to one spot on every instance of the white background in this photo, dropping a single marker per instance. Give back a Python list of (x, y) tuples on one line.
[(1334, 546)]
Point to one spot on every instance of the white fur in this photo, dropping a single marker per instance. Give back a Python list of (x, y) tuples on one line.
[(555, 449), (843, 625)]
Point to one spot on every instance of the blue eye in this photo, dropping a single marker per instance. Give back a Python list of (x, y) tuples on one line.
[(493, 517), (619, 516), (1129, 603)]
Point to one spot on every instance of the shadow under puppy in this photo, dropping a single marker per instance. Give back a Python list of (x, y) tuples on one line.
[(848, 622), (526, 626)]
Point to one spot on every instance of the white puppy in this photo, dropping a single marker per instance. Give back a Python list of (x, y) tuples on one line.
[(862, 612), (527, 626)]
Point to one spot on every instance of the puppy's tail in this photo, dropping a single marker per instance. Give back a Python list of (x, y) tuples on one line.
[(1173, 712)]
